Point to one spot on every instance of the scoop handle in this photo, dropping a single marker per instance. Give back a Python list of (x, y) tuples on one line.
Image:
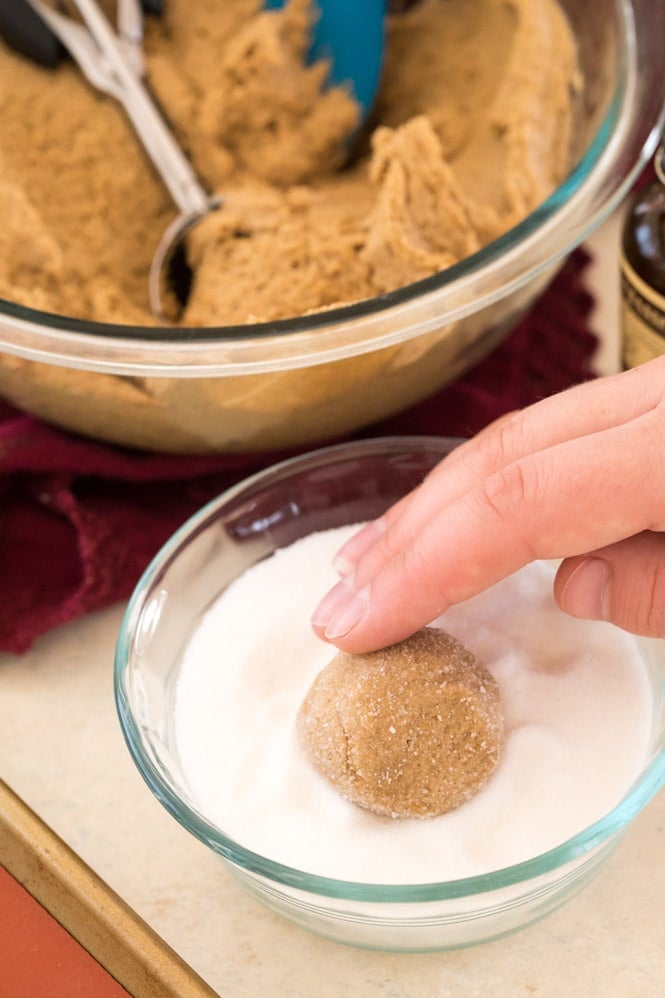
[(156, 137), (25, 31)]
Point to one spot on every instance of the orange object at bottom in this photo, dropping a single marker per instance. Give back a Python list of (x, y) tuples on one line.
[(40, 959)]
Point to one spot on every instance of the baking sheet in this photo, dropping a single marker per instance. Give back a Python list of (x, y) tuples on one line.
[(121, 942)]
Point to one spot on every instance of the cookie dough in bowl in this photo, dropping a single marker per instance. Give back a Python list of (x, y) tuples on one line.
[(334, 286), (300, 229)]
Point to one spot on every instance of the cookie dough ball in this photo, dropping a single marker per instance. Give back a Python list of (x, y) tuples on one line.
[(412, 730)]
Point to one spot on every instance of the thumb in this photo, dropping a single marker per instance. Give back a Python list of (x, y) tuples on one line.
[(623, 583)]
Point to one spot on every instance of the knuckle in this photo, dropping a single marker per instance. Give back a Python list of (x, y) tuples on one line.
[(510, 498), (653, 443), (498, 443), (383, 551), (391, 542), (637, 591), (508, 491), (654, 622), (653, 600), (418, 560)]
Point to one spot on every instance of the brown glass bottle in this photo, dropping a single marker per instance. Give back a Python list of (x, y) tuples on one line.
[(643, 272)]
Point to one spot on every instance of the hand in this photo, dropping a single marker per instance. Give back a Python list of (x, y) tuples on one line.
[(579, 476)]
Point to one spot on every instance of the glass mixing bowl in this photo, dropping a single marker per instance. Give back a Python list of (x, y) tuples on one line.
[(293, 382), (329, 488)]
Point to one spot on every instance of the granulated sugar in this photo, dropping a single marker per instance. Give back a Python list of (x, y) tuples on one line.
[(577, 709)]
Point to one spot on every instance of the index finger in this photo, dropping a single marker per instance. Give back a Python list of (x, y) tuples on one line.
[(582, 410), (568, 499)]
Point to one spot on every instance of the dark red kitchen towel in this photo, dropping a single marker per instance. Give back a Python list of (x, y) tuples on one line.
[(80, 520)]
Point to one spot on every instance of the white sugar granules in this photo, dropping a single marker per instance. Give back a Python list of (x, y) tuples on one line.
[(576, 700)]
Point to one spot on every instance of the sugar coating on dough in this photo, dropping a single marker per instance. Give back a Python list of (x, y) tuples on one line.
[(412, 730)]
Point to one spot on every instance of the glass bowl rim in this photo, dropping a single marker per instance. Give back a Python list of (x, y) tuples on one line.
[(638, 795)]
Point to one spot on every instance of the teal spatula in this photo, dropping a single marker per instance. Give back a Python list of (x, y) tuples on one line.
[(350, 34)]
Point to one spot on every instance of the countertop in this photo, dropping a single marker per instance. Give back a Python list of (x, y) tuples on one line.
[(62, 751)]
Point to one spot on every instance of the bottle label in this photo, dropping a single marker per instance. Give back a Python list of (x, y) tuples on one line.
[(642, 318)]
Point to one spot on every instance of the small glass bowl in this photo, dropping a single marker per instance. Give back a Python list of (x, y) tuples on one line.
[(328, 488)]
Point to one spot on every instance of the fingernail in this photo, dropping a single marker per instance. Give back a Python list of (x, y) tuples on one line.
[(348, 614), (342, 564), (331, 602), (350, 553), (586, 593)]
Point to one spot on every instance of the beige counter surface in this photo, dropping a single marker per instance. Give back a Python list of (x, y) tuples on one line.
[(61, 749)]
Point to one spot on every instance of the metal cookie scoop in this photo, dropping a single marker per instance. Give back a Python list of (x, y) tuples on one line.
[(114, 64)]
